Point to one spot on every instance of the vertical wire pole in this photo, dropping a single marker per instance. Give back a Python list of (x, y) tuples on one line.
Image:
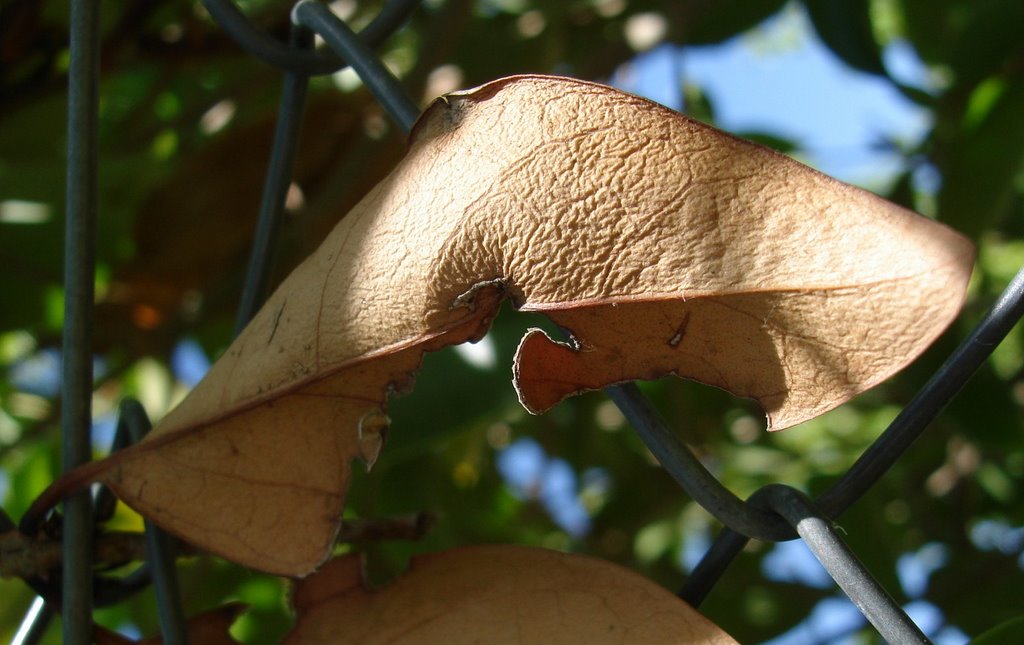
[(160, 551), (79, 270), (275, 188)]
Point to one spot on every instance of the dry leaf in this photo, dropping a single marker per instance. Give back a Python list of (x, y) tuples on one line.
[(664, 245), (495, 594)]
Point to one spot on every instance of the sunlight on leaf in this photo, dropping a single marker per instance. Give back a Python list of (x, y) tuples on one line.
[(495, 594), (662, 245)]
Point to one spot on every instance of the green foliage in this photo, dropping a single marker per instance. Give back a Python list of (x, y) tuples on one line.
[(846, 28), (185, 126), (1009, 632)]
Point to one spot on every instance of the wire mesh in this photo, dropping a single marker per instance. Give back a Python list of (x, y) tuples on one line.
[(774, 513)]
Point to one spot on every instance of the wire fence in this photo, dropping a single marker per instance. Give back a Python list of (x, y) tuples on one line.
[(774, 513)]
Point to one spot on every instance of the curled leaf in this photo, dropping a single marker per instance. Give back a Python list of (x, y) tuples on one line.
[(663, 245), (495, 594)]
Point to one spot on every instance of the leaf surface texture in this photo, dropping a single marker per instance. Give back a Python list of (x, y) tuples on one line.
[(495, 594), (663, 245)]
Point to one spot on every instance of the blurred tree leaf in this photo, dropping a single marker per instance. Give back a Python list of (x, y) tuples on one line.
[(983, 164), (846, 28), (1011, 631), (702, 22), (973, 39)]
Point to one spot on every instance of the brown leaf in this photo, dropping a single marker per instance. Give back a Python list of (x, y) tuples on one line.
[(664, 245), (495, 594)]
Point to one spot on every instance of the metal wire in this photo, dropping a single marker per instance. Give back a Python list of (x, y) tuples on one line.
[(35, 623), (901, 433), (690, 474), (275, 187), (80, 590), (300, 61), (933, 397), (869, 468), (104, 502), (160, 551), (712, 566), (105, 590), (816, 530), (79, 271), (380, 81)]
